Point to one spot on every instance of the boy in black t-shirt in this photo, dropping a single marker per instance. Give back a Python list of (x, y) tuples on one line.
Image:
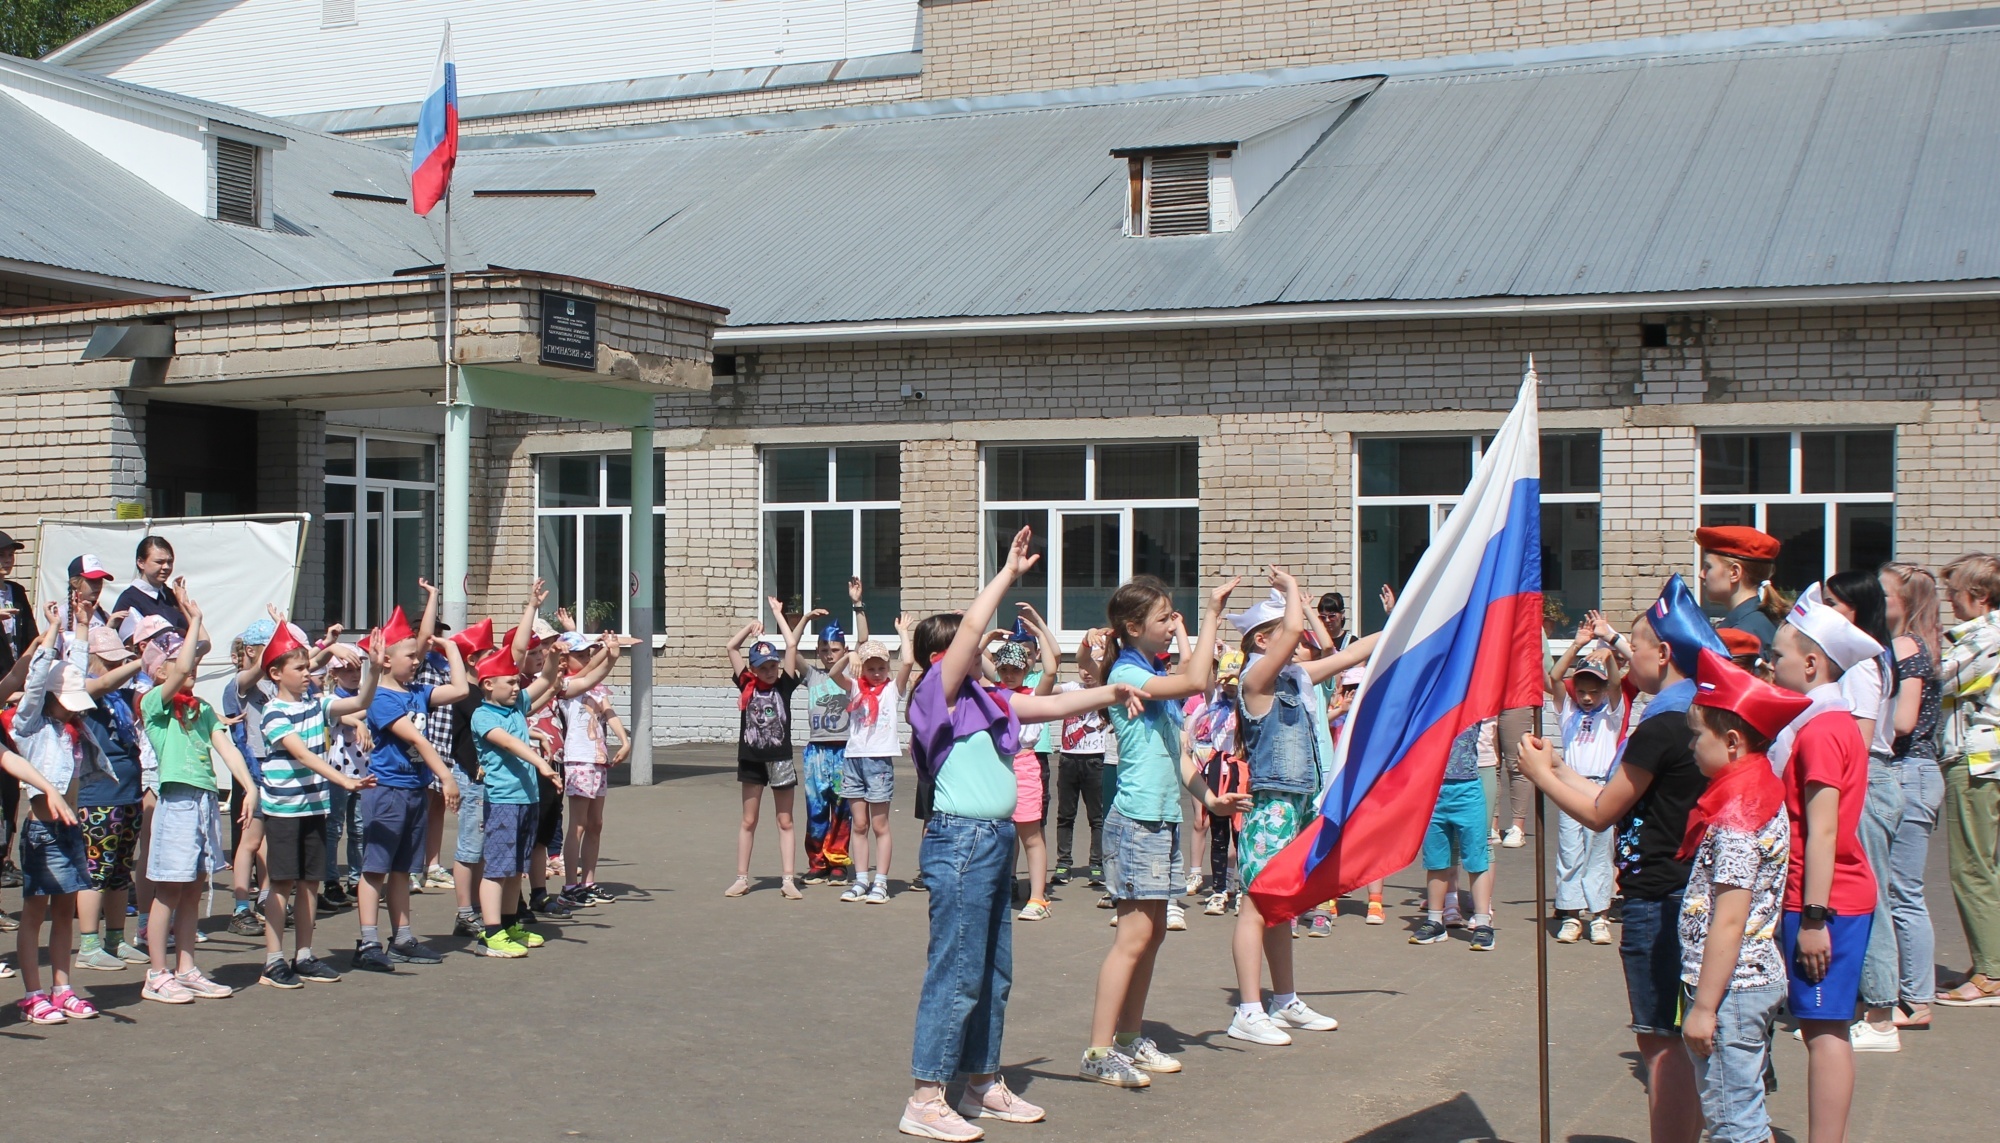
[(764, 741), (1648, 799)]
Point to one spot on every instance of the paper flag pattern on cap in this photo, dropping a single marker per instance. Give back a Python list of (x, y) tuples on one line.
[(397, 628), (1723, 685), (1678, 621), (1842, 641)]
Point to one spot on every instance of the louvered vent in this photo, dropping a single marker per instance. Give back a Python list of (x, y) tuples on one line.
[(236, 181), (337, 14), (1177, 193)]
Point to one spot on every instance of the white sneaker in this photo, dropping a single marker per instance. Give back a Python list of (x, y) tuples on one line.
[(1147, 1057), (1297, 1015), (1571, 931), (1865, 1038), (1258, 1029), (1218, 904), (1176, 917), (1600, 931), (1513, 838)]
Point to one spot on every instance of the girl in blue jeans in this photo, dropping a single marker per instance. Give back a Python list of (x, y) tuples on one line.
[(962, 738)]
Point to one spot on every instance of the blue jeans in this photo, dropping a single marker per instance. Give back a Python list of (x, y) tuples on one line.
[(1881, 817), (1916, 943), (1583, 864), (470, 846), (1731, 1080), (344, 819), (1651, 950), (968, 865)]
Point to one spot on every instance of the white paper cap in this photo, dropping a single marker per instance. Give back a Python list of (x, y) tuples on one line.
[(1843, 642)]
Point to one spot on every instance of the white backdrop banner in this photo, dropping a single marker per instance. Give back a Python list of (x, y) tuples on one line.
[(234, 566)]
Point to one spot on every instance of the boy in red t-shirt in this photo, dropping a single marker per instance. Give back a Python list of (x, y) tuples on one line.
[(1829, 888)]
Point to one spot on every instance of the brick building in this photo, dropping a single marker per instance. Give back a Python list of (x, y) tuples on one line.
[(1199, 320)]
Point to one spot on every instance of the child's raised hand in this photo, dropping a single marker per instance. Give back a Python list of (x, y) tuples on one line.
[(777, 607), (854, 589), (1133, 698), (538, 595), (1388, 596), (429, 588), (756, 629), (1583, 634), (1280, 579), (563, 620), (902, 624), (1031, 617), (1219, 598), (1020, 557), (1601, 627), (815, 613)]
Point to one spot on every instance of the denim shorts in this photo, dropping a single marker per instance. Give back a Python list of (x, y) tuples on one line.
[(1651, 950), (1142, 860), (1835, 996), (187, 836), (470, 847), (871, 780), (1731, 1079), (52, 859), (392, 829), (1458, 828), (510, 838)]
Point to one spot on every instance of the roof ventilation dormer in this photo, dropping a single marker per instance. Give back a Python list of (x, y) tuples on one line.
[(1204, 172)]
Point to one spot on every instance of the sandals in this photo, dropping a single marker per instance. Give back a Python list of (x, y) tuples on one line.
[(1978, 991), (1911, 1019), (71, 1005)]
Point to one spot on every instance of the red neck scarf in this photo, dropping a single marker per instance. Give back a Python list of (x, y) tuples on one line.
[(1743, 797), (868, 697), (187, 708), (752, 685)]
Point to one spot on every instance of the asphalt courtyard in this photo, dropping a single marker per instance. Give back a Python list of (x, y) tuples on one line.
[(678, 1015)]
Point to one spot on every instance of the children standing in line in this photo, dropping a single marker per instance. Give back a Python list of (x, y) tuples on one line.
[(590, 719), (829, 686), (962, 739), (1142, 851), (868, 779), (295, 799), (1829, 888), (1592, 722), (1289, 746), (397, 807), (185, 846), (508, 764), (48, 733), (1738, 846), (766, 679)]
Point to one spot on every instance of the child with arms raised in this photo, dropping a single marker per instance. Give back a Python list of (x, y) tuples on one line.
[(766, 679), (868, 778), (508, 764)]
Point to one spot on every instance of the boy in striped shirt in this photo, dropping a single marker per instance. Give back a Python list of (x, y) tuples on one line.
[(296, 796)]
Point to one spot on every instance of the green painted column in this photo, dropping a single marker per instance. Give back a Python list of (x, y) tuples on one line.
[(644, 568), (457, 507)]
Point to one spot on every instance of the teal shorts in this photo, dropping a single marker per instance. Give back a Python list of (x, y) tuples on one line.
[(1458, 827)]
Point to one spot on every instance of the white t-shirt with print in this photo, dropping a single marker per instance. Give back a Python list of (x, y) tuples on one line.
[(877, 739), (1083, 733), (1862, 688), (1590, 738)]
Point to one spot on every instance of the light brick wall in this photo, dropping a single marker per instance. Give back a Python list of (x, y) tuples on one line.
[(16, 293), (981, 47), (1274, 491), (1946, 499), (61, 455), (940, 525), (1647, 522)]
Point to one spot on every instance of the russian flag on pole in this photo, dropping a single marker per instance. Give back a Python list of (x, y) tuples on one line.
[(1463, 644), (436, 147)]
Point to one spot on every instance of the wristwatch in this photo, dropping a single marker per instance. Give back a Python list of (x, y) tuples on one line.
[(1818, 914)]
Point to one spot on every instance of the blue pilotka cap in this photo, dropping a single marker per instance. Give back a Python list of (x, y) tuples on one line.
[(1676, 617)]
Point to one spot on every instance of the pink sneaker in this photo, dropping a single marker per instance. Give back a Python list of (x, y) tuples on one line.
[(935, 1119), (162, 986), (73, 1006), (996, 1102), (37, 1009), (201, 987)]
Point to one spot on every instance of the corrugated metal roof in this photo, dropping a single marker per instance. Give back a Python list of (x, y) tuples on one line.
[(1238, 119), (1778, 165)]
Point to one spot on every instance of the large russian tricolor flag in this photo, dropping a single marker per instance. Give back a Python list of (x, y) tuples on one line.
[(1463, 644), (436, 147)]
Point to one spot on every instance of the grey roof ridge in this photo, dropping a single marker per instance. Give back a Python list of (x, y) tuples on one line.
[(1690, 44), (681, 85)]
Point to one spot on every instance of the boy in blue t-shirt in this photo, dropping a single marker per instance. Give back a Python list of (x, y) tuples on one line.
[(396, 809), (508, 764)]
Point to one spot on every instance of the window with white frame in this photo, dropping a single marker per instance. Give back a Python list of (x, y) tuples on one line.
[(381, 524), (831, 513), (1113, 510), (1828, 497), (1406, 486), (583, 506)]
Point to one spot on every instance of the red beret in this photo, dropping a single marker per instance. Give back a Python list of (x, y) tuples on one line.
[(1740, 642), (1722, 684), (1737, 542)]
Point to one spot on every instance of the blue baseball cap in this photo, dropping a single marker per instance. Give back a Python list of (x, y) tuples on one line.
[(763, 653), (258, 634)]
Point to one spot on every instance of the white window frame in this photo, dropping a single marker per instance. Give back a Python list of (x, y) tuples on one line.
[(1441, 506), (358, 612), (1796, 480), (603, 508), (1052, 548), (840, 610)]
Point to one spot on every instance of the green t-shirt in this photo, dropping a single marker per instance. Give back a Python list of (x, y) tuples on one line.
[(183, 751), (974, 781), (1149, 751)]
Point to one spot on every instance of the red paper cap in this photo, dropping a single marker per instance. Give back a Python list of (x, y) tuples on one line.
[(1737, 542), (499, 663), (1740, 642), (397, 628), (1725, 686), (476, 639), (286, 639), (507, 640)]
